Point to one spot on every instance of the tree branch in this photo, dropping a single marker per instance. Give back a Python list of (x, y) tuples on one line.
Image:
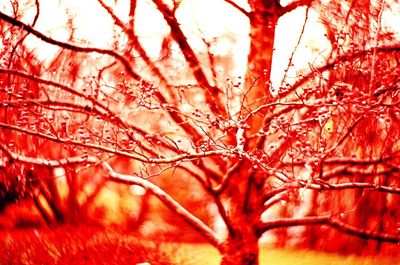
[(134, 41), (343, 137), (70, 46), (176, 158), (213, 99), (173, 205), (103, 109), (348, 161), (226, 178), (41, 81), (351, 185), (276, 199), (292, 6), (332, 222), (69, 161), (137, 46), (363, 233), (345, 170), (132, 10), (288, 222), (14, 49), (239, 8), (346, 57)]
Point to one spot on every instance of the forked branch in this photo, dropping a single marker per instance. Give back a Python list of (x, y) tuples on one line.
[(213, 99), (168, 201)]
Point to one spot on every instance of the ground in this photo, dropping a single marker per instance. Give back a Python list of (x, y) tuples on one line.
[(89, 245)]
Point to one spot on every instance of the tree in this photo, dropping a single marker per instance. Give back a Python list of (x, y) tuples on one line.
[(254, 147), (39, 182)]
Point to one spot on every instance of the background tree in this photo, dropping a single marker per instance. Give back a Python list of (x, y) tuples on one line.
[(55, 202), (314, 151)]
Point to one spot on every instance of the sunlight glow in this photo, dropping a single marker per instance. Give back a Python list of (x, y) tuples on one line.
[(391, 18), (313, 48), (209, 20)]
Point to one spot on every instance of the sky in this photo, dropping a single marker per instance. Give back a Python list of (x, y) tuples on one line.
[(214, 17)]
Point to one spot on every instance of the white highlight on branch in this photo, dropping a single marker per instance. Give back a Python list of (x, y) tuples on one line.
[(69, 161), (168, 201)]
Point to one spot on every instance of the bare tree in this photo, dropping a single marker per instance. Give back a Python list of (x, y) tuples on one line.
[(253, 148)]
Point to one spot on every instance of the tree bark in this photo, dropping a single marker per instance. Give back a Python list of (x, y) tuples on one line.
[(244, 198), (241, 248), (245, 192), (263, 20)]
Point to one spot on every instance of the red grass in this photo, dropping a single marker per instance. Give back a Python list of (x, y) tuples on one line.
[(83, 245)]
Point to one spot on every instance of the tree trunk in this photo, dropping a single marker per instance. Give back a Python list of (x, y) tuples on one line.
[(245, 192), (241, 249), (245, 200), (263, 20)]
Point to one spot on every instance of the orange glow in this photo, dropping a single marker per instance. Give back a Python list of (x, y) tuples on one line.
[(174, 128)]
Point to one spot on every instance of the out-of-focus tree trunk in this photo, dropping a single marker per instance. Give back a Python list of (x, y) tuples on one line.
[(73, 206)]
